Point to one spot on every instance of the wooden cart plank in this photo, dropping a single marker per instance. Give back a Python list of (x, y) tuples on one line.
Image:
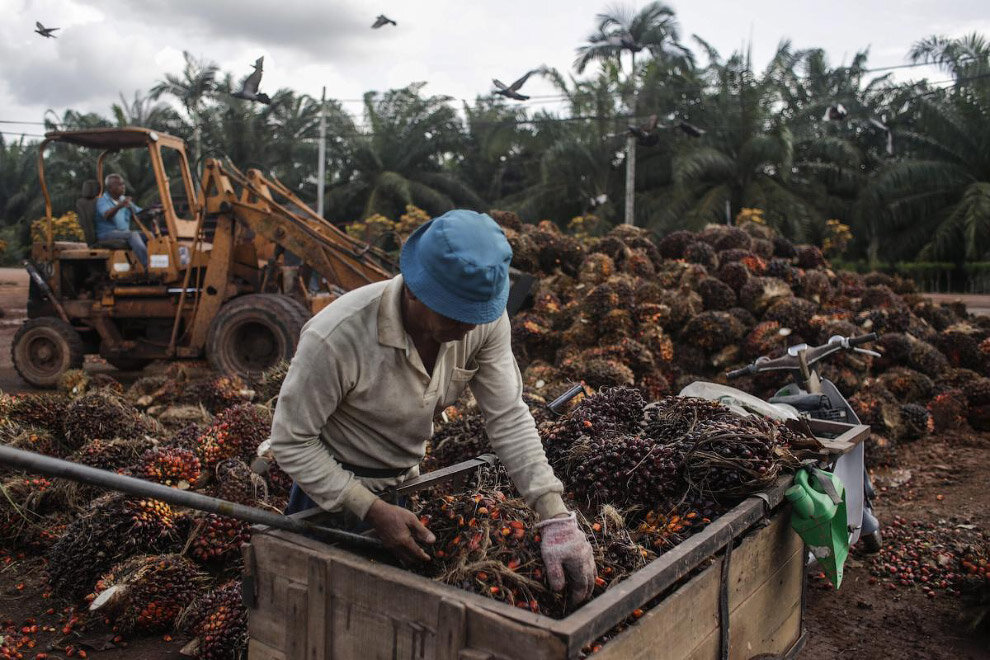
[(452, 631), (760, 555), (675, 627), (489, 632), (260, 651), (318, 625), (296, 621)]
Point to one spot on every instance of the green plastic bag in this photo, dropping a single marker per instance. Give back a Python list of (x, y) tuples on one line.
[(819, 518)]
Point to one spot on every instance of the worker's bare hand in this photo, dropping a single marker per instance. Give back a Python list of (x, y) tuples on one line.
[(399, 529)]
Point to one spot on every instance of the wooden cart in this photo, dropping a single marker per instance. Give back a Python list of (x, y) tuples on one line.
[(734, 590)]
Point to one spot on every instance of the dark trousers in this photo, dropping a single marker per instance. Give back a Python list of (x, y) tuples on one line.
[(300, 501)]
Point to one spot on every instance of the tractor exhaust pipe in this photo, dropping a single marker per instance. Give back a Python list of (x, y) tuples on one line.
[(56, 467)]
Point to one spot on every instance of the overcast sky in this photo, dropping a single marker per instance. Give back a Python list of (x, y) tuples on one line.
[(108, 47)]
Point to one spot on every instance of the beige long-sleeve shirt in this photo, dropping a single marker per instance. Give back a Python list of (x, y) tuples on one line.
[(358, 393)]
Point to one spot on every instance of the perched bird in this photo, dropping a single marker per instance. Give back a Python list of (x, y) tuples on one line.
[(690, 129), (877, 123), (835, 112), (382, 20), (249, 90), (512, 91), (45, 32), (646, 135)]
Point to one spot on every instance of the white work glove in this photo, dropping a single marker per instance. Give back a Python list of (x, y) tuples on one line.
[(565, 548)]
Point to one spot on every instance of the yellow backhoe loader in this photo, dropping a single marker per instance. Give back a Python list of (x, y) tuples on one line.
[(235, 268)]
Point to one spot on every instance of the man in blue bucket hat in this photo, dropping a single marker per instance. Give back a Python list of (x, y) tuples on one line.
[(376, 365)]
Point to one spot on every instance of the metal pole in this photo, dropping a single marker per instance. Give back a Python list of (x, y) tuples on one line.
[(728, 213), (321, 168), (630, 218), (56, 467)]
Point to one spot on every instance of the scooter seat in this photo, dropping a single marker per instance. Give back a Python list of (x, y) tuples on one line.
[(803, 402)]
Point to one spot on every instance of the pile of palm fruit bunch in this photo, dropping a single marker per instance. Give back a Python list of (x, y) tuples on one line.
[(641, 476), (144, 565), (659, 312)]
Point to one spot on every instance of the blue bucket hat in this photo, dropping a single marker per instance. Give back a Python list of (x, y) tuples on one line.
[(458, 266)]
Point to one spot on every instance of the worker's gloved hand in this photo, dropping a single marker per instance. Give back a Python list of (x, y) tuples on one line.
[(565, 548), (399, 529)]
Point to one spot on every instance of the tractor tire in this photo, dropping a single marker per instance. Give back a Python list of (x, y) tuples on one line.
[(254, 332), (45, 348)]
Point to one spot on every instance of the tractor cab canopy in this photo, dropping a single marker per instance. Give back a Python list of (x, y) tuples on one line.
[(173, 184)]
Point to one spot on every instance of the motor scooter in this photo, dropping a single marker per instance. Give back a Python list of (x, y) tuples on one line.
[(818, 398)]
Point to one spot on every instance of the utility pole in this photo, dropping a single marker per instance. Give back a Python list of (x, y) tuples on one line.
[(630, 218), (321, 168)]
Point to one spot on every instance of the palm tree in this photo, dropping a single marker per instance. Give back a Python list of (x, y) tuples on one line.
[(745, 159), (407, 157), (190, 88), (653, 28), (938, 198)]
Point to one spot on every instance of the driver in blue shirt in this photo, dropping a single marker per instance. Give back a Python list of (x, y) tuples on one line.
[(114, 213)]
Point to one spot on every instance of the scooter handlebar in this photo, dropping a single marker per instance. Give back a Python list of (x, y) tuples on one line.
[(739, 373), (863, 339)]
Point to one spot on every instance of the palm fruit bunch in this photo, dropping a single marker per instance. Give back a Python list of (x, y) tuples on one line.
[(977, 394), (215, 538), (954, 378), (809, 256), (949, 410), (459, 439), (146, 593), (702, 253), (925, 358), (73, 382), (783, 270), (938, 316), (169, 466), (961, 346), (793, 313), (213, 392), (22, 524), (879, 409), (767, 338), (673, 245), (112, 529), (595, 269), (735, 275), (892, 318), (716, 294), (218, 620), (721, 455), (533, 337), (814, 285), (602, 372), (236, 482), (620, 470), (270, 382), (907, 385), (711, 331), (918, 422), (102, 415), (44, 411), (611, 411), (31, 439), (185, 437), (111, 454), (732, 238), (759, 293), (235, 432)]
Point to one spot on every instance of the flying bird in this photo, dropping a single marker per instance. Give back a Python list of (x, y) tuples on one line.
[(382, 20), (249, 90), (690, 129), (45, 32), (512, 91), (646, 135), (876, 123), (835, 112)]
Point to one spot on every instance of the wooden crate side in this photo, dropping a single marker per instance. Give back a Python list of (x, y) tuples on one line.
[(675, 627), (259, 651), (761, 554), (504, 639), (757, 625)]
